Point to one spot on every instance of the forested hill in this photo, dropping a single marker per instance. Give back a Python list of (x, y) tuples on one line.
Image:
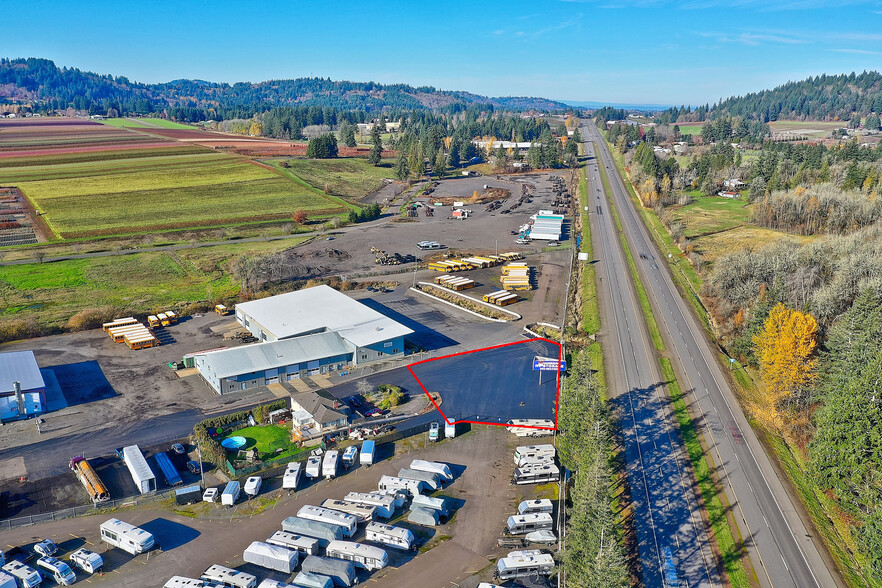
[(41, 82), (818, 98)]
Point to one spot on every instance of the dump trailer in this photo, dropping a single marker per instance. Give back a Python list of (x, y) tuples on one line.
[(323, 532), (273, 557), (341, 572), (141, 473), (168, 469), (89, 479), (431, 479)]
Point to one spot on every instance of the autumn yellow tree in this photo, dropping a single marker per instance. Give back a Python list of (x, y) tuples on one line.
[(785, 349)]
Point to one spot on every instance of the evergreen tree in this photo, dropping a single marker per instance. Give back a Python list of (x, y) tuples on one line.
[(401, 170), (376, 153)]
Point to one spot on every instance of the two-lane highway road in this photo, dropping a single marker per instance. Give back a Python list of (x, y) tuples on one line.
[(780, 545), (672, 538)]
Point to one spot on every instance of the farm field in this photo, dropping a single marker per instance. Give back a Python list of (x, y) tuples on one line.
[(812, 128), (159, 192), (350, 178), (690, 129), (144, 123), (711, 214), (53, 292), (19, 136), (713, 246)]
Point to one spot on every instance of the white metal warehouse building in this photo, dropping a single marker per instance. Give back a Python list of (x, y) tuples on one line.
[(307, 332)]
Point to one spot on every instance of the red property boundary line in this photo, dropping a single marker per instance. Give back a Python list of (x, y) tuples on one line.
[(446, 420)]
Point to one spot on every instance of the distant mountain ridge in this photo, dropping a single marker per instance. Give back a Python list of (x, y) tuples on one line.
[(824, 97), (41, 81)]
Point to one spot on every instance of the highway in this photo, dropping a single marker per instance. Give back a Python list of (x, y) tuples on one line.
[(672, 539), (779, 543)]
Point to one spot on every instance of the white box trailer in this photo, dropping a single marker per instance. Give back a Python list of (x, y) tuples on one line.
[(324, 532), (330, 464), (229, 577), (301, 543), (384, 503), (341, 572), (390, 535), (434, 467), (362, 512), (142, 475), (429, 478), (231, 493), (273, 557), (364, 556), (525, 452), (348, 522), (311, 580), (125, 536), (368, 453), (527, 523), (292, 476), (411, 486)]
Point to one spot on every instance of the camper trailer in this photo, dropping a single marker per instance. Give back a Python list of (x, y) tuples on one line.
[(389, 535), (536, 506), (330, 464), (364, 556), (510, 568), (436, 504), (314, 466), (346, 521), (429, 478), (273, 557), (525, 453), (231, 493), (368, 453), (363, 512), (227, 577), (522, 524), (127, 537), (384, 504), (350, 456), (323, 532), (292, 476), (302, 543), (425, 517), (412, 487), (341, 572)]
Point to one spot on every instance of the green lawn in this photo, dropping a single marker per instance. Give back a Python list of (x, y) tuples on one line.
[(164, 192), (711, 214), (351, 178), (267, 439), (694, 130), (145, 123), (51, 293)]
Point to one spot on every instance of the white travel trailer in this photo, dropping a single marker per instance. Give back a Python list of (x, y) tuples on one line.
[(535, 506), (330, 464), (273, 557), (433, 467), (412, 487), (363, 512), (436, 504), (364, 556), (322, 532), (125, 536), (431, 480), (86, 560), (536, 474), (302, 543), (184, 582), (530, 427), (252, 486), (522, 524), (311, 580), (509, 568), (292, 476), (228, 577), (25, 576), (314, 466), (276, 584), (391, 536), (348, 522), (545, 452), (424, 516), (350, 456), (384, 503)]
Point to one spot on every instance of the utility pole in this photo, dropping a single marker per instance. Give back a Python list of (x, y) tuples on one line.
[(201, 467)]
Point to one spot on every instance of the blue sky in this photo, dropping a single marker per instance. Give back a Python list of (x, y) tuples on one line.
[(632, 51)]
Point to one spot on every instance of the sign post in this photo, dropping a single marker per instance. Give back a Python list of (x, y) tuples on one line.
[(548, 364)]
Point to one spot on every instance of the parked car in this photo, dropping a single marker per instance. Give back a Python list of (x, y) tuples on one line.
[(178, 449), (46, 548), (194, 467)]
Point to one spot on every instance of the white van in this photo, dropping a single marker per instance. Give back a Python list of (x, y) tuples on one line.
[(60, 571)]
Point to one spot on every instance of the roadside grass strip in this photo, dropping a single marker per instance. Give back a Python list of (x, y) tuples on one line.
[(590, 308), (654, 333), (716, 510)]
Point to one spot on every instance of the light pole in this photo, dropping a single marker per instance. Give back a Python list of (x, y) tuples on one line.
[(201, 468)]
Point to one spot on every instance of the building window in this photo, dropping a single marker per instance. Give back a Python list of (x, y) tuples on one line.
[(394, 351)]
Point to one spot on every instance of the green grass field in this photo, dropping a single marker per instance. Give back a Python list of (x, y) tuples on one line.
[(693, 130), (53, 292), (350, 178), (162, 192), (144, 123), (711, 214)]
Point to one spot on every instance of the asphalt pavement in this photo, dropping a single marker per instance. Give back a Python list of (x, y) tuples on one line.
[(672, 540), (779, 542)]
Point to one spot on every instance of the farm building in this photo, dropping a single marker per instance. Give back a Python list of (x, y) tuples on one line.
[(22, 390), (251, 366), (322, 309)]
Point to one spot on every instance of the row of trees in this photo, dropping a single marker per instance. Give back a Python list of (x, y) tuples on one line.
[(593, 556), (823, 208)]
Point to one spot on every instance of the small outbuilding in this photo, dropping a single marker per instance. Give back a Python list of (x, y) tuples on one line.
[(22, 389)]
